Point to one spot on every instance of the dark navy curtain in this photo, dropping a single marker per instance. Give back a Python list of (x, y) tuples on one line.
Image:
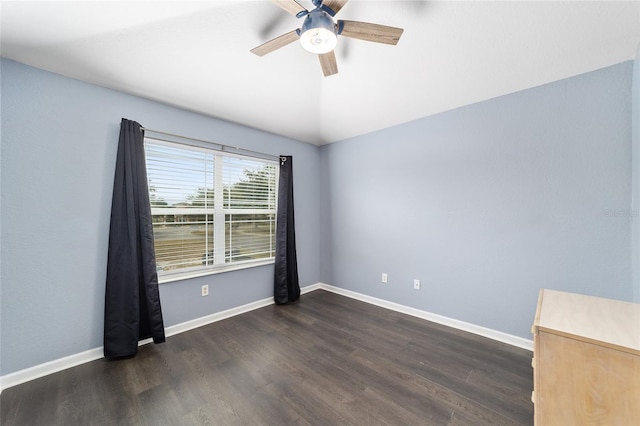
[(132, 309), (286, 287)]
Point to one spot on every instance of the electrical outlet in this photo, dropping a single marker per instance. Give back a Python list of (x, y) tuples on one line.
[(205, 290), (384, 278), (416, 284)]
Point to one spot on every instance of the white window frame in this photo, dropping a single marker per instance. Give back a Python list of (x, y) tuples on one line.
[(219, 213)]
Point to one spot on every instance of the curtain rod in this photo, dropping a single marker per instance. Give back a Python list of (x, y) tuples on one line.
[(223, 147)]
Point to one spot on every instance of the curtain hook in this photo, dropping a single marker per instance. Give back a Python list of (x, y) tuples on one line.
[(283, 160)]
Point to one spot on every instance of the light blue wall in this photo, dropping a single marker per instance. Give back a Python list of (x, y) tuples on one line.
[(635, 210), (59, 142), (488, 203)]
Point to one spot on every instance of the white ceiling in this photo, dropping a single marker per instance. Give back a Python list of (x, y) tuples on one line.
[(195, 55)]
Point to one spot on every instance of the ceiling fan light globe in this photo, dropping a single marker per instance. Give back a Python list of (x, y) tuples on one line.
[(318, 40), (318, 32)]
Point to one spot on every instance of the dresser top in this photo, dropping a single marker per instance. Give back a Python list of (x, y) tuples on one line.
[(595, 319)]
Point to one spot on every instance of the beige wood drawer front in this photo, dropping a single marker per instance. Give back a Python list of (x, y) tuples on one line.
[(586, 361)]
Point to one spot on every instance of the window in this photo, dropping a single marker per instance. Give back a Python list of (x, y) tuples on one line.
[(212, 211)]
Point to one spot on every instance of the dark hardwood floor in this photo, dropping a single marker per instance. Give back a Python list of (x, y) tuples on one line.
[(325, 360)]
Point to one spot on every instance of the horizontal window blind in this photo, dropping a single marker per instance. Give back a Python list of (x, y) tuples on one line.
[(210, 209)]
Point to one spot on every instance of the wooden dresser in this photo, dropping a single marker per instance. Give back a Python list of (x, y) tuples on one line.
[(586, 361)]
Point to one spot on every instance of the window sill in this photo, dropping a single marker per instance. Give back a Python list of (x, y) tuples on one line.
[(185, 275)]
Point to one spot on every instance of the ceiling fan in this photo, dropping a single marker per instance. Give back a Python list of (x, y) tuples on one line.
[(319, 33)]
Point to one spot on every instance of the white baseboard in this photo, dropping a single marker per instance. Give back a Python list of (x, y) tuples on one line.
[(218, 316), (50, 367), (450, 322), (60, 364)]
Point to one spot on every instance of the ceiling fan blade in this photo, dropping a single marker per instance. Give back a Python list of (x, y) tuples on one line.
[(370, 32), (328, 63), (334, 5), (276, 43), (290, 6)]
